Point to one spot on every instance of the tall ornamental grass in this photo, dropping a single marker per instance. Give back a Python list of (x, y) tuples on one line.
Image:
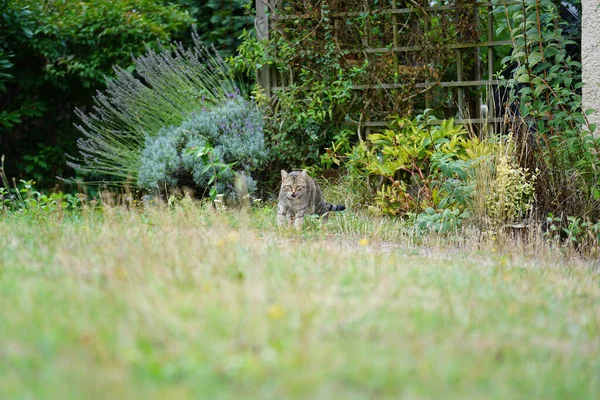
[(164, 89)]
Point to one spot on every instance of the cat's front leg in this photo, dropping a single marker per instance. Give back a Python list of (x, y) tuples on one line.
[(299, 220), (281, 216)]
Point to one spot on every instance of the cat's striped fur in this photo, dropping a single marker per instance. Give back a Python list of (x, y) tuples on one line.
[(300, 195)]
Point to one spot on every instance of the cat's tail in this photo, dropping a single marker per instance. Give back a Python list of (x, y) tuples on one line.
[(335, 207)]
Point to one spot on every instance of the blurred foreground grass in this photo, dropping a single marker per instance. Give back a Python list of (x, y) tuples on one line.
[(189, 304)]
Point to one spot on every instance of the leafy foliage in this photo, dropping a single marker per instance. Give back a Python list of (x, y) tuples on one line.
[(174, 85), (22, 197), (220, 22), (209, 147), (419, 170), (67, 35), (552, 132), (16, 28), (513, 192), (53, 56), (312, 106)]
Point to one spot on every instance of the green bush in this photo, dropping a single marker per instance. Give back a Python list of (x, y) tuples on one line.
[(54, 55), (419, 171), (581, 235), (208, 148), (551, 130), (23, 197), (402, 161), (171, 88), (220, 22), (70, 34), (317, 91)]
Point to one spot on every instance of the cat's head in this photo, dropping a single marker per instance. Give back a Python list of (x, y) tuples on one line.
[(293, 185)]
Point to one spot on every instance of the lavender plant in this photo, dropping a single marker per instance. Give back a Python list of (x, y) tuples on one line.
[(168, 87)]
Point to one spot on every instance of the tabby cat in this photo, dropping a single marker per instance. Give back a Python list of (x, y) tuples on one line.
[(300, 195)]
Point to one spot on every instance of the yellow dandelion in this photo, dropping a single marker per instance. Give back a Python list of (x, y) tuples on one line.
[(207, 287), (220, 243), (363, 242), (275, 311), (121, 273)]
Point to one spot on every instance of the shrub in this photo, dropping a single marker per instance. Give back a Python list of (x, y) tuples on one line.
[(551, 130), (581, 235), (417, 170), (160, 161), (54, 54), (220, 22), (169, 88), (317, 96), (207, 148)]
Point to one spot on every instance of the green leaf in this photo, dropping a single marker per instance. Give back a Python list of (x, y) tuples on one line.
[(507, 59), (28, 32), (525, 91), (519, 54), (534, 58), (568, 81)]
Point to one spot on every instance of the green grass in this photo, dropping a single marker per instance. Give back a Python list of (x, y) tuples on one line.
[(189, 304)]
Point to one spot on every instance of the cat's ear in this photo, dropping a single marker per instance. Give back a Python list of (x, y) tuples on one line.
[(284, 174), (304, 173)]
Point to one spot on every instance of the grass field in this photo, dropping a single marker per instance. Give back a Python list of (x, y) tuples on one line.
[(185, 303)]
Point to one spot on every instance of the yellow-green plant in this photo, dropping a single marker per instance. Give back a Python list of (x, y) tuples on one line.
[(512, 191), (504, 190)]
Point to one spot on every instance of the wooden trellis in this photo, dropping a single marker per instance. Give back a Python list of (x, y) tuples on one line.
[(464, 85)]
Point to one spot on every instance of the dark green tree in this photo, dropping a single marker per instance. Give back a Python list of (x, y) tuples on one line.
[(54, 55), (220, 22)]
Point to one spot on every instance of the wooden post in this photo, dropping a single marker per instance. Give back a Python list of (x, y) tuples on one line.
[(425, 30), (262, 33), (490, 89), (395, 32), (475, 103), (459, 78), (366, 44)]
